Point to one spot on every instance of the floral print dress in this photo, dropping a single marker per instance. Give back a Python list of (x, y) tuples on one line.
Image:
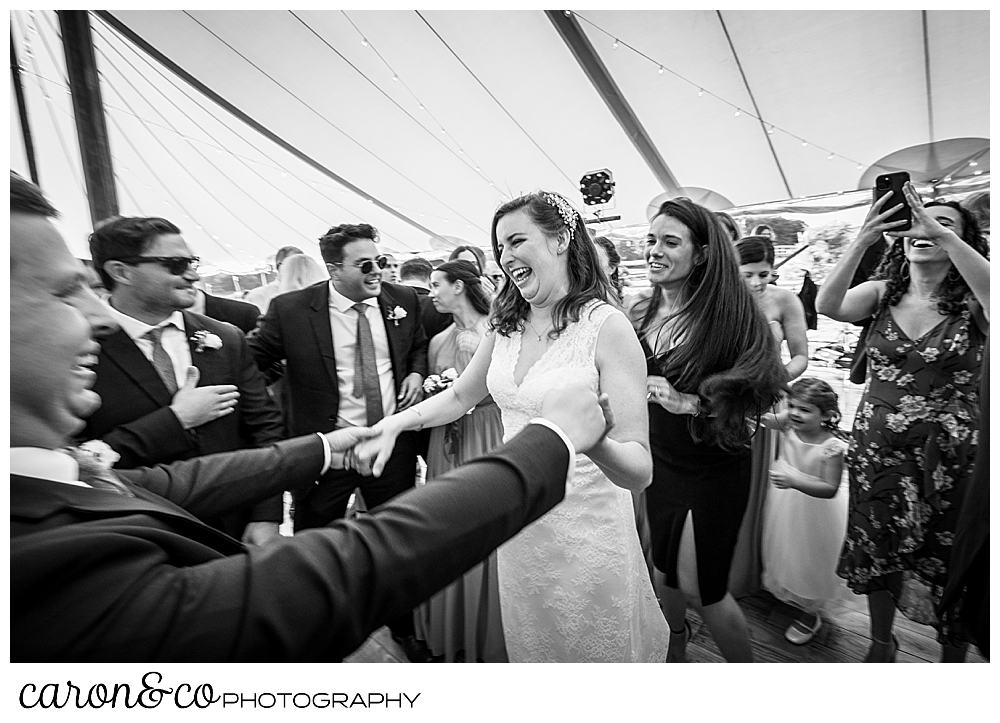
[(914, 445)]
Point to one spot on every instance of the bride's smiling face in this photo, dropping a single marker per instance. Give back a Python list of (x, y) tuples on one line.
[(536, 263)]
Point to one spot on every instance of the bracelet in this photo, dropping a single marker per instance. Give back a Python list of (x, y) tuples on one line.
[(420, 417)]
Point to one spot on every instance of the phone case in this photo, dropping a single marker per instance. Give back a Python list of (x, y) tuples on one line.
[(893, 182)]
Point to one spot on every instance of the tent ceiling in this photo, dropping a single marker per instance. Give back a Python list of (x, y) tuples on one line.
[(511, 100)]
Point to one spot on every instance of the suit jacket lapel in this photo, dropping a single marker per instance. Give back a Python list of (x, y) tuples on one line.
[(120, 350), (209, 362), (37, 499), (319, 318), (386, 303)]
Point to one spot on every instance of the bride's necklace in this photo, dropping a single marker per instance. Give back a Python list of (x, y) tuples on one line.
[(535, 331)]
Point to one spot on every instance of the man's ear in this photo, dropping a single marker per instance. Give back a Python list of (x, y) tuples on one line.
[(333, 270), (119, 271)]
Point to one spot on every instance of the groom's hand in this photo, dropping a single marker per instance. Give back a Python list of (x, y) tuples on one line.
[(578, 412)]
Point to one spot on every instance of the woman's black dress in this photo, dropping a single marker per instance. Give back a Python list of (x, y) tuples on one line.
[(703, 479)]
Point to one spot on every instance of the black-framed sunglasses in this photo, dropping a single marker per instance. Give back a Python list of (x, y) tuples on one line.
[(177, 265), (368, 265)]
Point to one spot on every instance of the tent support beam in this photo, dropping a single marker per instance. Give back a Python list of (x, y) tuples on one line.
[(756, 110), (267, 133), (585, 54), (22, 112), (88, 110)]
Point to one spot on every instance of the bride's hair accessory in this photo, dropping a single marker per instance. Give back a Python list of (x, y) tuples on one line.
[(565, 210)]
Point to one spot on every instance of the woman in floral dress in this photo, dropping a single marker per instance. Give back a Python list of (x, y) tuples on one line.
[(916, 430)]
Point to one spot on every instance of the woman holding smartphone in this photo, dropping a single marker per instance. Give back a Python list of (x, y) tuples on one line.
[(914, 438)]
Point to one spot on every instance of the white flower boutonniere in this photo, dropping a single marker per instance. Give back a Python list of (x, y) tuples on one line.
[(396, 314), (206, 340), (100, 453)]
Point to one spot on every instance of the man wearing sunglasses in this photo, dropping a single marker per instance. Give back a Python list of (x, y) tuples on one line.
[(355, 351), (175, 384)]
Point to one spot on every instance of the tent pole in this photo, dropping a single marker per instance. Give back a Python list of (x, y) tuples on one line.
[(22, 110), (592, 65), (91, 129)]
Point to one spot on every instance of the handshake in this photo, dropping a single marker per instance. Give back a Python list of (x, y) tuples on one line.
[(582, 416)]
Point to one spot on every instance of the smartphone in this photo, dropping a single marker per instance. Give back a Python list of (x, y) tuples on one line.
[(893, 183)]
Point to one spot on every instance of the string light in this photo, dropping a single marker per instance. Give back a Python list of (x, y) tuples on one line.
[(660, 71), (737, 113), (568, 13), (701, 92), (770, 129), (364, 42), (973, 163), (395, 77), (804, 144), (829, 157), (614, 45)]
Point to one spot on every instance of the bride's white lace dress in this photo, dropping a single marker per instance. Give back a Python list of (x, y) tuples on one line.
[(573, 584)]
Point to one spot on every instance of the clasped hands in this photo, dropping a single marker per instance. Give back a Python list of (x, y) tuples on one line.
[(583, 416)]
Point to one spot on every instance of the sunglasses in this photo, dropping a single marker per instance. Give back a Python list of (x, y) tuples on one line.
[(368, 265), (177, 265)]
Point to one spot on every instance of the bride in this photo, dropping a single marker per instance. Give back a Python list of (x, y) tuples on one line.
[(573, 585)]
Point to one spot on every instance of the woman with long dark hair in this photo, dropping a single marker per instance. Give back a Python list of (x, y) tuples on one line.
[(713, 369), (610, 261), (573, 585), (462, 622), (915, 432)]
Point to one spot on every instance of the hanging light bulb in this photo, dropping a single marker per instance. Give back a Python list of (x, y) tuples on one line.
[(442, 131), (568, 13), (421, 106), (829, 157), (977, 173), (737, 113), (804, 144), (947, 179), (364, 43), (395, 77), (660, 71), (770, 129), (860, 166), (973, 163), (614, 45), (701, 92)]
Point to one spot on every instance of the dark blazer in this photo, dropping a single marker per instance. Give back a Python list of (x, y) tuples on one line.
[(135, 419), (434, 321), (238, 313), (296, 328), (97, 576)]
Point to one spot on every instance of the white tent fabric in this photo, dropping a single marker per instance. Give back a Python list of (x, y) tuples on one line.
[(497, 91)]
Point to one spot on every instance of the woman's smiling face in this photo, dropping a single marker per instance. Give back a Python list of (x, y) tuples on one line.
[(671, 254), (531, 259)]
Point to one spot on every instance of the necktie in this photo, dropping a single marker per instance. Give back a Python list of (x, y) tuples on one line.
[(97, 475), (366, 381), (161, 360)]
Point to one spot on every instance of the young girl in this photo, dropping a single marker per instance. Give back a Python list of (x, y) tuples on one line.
[(804, 520)]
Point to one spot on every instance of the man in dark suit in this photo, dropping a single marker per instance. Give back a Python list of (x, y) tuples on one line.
[(109, 569), (416, 273), (238, 313), (175, 384), (355, 351)]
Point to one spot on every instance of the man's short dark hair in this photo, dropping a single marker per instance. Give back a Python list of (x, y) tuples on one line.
[(124, 236), (284, 252), (26, 197), (332, 243), (416, 268)]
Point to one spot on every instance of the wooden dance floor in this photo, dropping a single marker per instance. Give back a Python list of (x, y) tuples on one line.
[(845, 640)]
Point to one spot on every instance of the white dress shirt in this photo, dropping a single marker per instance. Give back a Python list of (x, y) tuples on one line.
[(174, 340), (49, 464), (344, 327)]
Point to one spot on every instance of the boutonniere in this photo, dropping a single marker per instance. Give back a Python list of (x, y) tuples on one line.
[(396, 314), (206, 340), (99, 453)]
